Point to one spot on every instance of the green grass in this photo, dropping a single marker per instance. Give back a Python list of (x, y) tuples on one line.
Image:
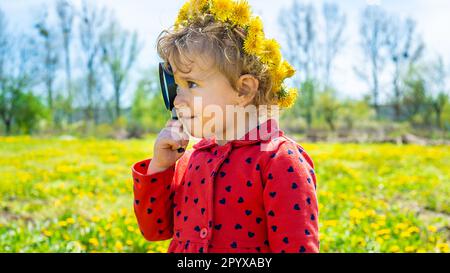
[(76, 196)]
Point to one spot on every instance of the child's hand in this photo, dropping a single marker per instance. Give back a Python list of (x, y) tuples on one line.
[(169, 140)]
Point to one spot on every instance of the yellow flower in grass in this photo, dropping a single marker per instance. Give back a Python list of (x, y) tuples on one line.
[(118, 246), (413, 230), (443, 247), (379, 240), (394, 248), (432, 229), (330, 223), (47, 233), (401, 226), (117, 232), (382, 232), (94, 242), (160, 249), (410, 249), (405, 234)]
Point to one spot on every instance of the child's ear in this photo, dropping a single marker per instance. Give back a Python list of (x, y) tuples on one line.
[(247, 86)]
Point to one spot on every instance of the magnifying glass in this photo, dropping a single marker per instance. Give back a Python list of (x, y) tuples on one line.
[(169, 90)]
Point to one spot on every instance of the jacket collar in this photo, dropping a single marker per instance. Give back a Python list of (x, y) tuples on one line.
[(263, 132)]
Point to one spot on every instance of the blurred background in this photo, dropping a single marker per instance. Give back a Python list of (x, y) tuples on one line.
[(80, 103)]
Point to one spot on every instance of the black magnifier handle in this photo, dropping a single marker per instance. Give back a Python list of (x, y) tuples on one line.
[(175, 117)]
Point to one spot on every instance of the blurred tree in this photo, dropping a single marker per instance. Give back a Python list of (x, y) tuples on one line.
[(335, 22), (92, 23), (299, 28), (65, 12), (327, 107), (404, 49), (148, 113), (48, 60), (416, 100), (374, 32), (18, 65), (353, 113), (439, 91), (120, 51), (299, 24)]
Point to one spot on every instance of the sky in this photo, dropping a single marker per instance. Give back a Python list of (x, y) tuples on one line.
[(150, 17)]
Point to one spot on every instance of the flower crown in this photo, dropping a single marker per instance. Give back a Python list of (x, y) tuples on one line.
[(237, 14)]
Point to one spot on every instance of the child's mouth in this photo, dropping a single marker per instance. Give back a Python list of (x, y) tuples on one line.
[(188, 118)]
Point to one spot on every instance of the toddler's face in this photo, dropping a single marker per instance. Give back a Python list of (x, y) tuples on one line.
[(202, 94)]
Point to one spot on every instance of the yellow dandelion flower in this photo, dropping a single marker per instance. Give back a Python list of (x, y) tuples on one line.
[(432, 229), (288, 70), (255, 26), (410, 249), (222, 9), (271, 52), (413, 230), (118, 246), (184, 12), (200, 5), (277, 76), (47, 233), (382, 232), (405, 234), (394, 248), (241, 13), (94, 242), (443, 247), (288, 99), (401, 226), (253, 44)]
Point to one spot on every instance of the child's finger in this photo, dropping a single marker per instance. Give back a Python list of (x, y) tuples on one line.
[(173, 144), (174, 123)]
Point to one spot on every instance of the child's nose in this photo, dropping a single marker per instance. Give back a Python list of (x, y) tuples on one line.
[(180, 99)]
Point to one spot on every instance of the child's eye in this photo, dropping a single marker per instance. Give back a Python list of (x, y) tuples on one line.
[(192, 84)]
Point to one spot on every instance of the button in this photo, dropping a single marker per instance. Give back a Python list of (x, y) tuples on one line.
[(203, 233)]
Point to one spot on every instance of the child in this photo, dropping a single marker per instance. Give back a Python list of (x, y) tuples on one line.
[(251, 191)]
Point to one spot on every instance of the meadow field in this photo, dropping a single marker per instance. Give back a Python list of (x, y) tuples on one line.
[(75, 195)]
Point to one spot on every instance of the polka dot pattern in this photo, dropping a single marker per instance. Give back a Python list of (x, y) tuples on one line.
[(233, 198)]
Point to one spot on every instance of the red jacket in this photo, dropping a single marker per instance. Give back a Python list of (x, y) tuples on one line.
[(245, 196)]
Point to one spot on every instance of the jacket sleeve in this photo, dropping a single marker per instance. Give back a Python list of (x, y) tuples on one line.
[(153, 201), (290, 200)]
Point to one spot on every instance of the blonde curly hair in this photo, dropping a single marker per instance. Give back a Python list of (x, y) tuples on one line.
[(198, 32)]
